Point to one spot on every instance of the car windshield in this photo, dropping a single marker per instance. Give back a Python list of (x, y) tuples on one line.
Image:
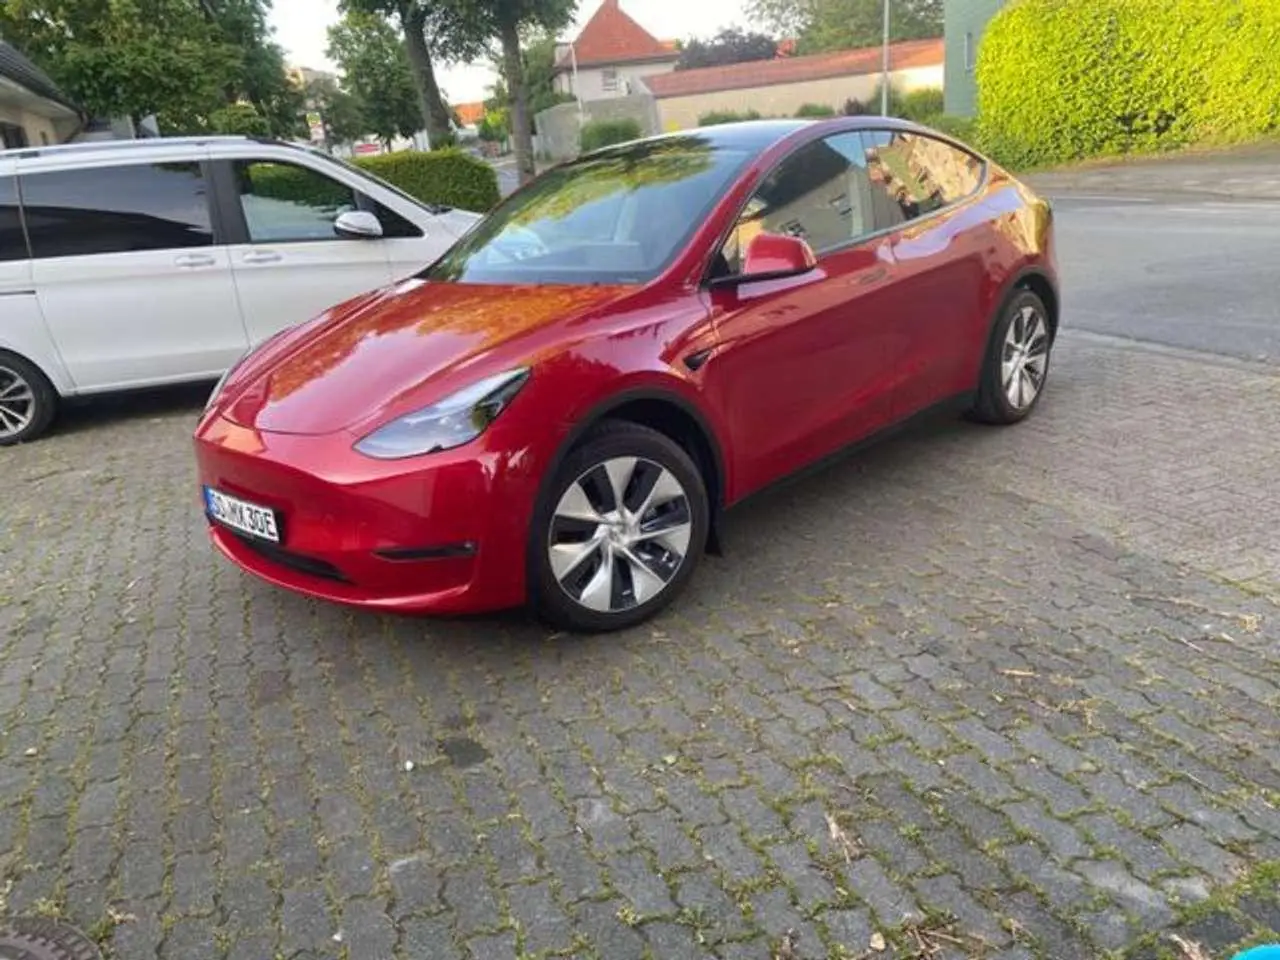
[(617, 216)]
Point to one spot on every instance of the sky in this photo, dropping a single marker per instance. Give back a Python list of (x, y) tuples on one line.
[(300, 27)]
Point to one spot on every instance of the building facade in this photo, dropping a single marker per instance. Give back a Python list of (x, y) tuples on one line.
[(964, 23), (33, 111)]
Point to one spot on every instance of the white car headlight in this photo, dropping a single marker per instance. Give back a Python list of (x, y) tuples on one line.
[(457, 419)]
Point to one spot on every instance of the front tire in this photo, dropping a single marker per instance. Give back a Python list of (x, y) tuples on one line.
[(617, 534), (28, 401), (1017, 362)]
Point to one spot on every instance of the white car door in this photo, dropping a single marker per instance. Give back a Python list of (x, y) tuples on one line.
[(132, 287), (291, 264)]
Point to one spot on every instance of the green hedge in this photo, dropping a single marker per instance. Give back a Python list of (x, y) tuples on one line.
[(450, 177), (717, 117), (815, 111), (1061, 80), (602, 133)]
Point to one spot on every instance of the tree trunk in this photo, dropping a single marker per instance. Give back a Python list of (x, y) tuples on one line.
[(521, 129), (435, 114)]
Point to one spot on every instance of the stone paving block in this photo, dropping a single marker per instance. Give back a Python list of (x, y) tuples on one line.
[(235, 769)]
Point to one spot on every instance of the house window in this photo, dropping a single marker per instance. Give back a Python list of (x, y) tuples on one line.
[(12, 136), (609, 80), (969, 52)]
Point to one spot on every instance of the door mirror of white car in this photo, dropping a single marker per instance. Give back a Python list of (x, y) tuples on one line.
[(358, 225)]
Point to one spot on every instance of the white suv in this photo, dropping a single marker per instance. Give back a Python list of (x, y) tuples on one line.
[(137, 263)]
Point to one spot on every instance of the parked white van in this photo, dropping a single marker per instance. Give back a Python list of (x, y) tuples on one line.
[(127, 264)]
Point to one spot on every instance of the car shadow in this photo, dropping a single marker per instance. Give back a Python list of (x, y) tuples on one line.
[(89, 413)]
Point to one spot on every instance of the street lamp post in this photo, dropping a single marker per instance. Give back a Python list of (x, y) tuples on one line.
[(884, 70)]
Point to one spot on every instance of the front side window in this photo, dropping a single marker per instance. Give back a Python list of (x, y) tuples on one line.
[(283, 202), (288, 203), (121, 209), (618, 216), (820, 194), (13, 244)]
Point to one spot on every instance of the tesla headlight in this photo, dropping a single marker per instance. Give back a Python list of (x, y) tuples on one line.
[(457, 419)]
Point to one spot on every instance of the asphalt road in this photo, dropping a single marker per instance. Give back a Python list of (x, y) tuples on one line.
[(1187, 271)]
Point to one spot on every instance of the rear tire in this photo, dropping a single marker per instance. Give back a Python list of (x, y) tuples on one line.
[(619, 531), (1016, 367), (28, 402)]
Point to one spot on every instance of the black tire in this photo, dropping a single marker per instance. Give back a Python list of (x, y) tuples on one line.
[(43, 404), (994, 404), (611, 440)]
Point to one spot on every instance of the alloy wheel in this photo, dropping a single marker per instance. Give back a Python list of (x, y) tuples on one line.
[(1025, 357), (619, 534), (17, 403)]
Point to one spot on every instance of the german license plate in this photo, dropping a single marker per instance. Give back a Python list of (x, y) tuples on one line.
[(241, 515)]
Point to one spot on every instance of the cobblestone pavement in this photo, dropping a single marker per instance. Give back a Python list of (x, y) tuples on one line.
[(1003, 693)]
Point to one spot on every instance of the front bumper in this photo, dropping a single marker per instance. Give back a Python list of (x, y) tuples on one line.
[(443, 533)]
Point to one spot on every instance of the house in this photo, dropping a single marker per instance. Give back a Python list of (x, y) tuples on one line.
[(779, 87), (963, 24), (33, 111), (610, 56)]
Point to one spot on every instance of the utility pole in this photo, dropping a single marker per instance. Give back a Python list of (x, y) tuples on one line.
[(884, 72)]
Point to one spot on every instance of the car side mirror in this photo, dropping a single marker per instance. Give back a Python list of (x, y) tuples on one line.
[(358, 225), (772, 256)]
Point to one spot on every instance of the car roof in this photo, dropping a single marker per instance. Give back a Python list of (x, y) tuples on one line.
[(95, 151)]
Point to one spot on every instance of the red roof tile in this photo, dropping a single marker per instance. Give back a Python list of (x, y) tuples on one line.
[(611, 36), (820, 66), (469, 113)]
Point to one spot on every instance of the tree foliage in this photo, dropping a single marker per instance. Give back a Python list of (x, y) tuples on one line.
[(182, 60), (434, 31), (1058, 81), (375, 67), (539, 61), (504, 22), (820, 26), (728, 46), (340, 111)]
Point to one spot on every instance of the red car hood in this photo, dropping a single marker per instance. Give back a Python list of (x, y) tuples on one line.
[(367, 357)]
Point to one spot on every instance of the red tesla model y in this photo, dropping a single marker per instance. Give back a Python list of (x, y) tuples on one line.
[(561, 408)]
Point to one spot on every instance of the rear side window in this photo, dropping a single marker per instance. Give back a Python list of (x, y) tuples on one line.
[(13, 245), (125, 209), (914, 175)]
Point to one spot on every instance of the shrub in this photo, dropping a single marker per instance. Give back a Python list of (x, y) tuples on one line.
[(964, 129), (451, 177), (1060, 80), (601, 133), (240, 119), (717, 117), (921, 106), (815, 110)]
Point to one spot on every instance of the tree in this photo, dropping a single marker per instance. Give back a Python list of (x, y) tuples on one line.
[(820, 26), (242, 119), (728, 46), (443, 30), (340, 111), (539, 61), (377, 74), (261, 78), (129, 57), (503, 21)]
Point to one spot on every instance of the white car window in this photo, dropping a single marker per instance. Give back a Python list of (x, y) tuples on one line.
[(284, 202)]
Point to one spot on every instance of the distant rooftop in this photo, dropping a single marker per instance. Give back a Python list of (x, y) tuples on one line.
[(767, 73), (16, 67), (611, 36)]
